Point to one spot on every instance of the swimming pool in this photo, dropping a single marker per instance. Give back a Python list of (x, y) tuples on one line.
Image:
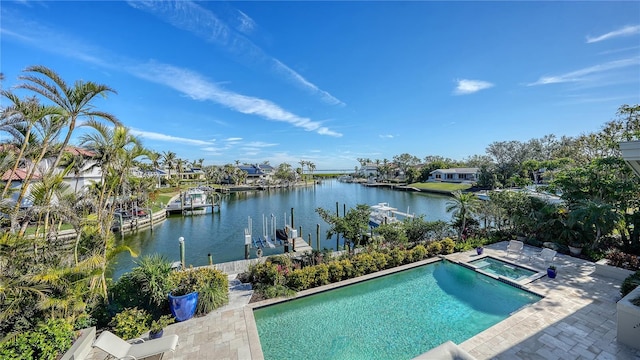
[(502, 268), (398, 316)]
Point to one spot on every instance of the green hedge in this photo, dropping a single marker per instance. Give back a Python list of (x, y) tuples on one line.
[(47, 342), (278, 271)]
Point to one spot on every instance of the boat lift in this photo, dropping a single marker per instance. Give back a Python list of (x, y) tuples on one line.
[(272, 237)]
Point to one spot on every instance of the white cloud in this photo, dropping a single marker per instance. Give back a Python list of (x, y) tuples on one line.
[(625, 31), (197, 87), (387, 136), (188, 82), (287, 71), (466, 86), (582, 74), (168, 138), (260, 144), (233, 139), (205, 24), (246, 24)]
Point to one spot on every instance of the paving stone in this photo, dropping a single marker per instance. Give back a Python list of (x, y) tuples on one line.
[(575, 319)]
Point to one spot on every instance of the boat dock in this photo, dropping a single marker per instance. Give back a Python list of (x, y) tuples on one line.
[(240, 266), (194, 201)]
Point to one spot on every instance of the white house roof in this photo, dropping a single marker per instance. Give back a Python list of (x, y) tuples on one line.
[(457, 171), (631, 154)]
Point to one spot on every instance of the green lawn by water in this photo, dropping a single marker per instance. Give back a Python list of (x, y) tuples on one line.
[(440, 186)]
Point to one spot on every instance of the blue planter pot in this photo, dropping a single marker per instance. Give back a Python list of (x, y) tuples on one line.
[(479, 250), (551, 273), (183, 307), (156, 335)]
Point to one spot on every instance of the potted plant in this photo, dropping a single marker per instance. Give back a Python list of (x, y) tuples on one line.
[(575, 247), (551, 271), (479, 250), (183, 299), (156, 329)]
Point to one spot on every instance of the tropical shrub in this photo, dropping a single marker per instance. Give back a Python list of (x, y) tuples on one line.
[(349, 270), (469, 244), (300, 279), (124, 293), (130, 323), (393, 233), (345, 267), (363, 264), (630, 283), (396, 257), (211, 284), (336, 271), (212, 296), (151, 276), (160, 323), (380, 260), (623, 260), (47, 342), (321, 275), (282, 260), (263, 273), (434, 248), (418, 253), (270, 292), (448, 245)]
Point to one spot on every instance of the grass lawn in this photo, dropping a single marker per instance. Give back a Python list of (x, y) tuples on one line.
[(441, 186), (164, 198)]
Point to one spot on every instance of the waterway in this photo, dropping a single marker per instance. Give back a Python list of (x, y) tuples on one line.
[(221, 233)]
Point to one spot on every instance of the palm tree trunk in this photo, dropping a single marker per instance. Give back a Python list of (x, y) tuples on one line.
[(17, 163)]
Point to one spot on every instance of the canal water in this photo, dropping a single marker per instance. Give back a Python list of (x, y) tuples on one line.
[(221, 233)]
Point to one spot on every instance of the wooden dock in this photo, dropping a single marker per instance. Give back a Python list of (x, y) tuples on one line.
[(300, 246)]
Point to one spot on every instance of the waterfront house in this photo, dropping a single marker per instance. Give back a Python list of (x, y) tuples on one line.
[(76, 179), (456, 175), (368, 170), (257, 173)]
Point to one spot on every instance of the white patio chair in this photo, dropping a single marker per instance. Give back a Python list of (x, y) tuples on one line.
[(120, 349), (515, 247), (545, 256)]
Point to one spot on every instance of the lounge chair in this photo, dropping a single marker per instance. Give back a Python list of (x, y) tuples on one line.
[(546, 256), (515, 247), (120, 349)]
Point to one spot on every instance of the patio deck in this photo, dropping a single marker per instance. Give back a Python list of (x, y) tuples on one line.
[(575, 320)]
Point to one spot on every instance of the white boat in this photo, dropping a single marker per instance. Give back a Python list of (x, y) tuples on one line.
[(483, 195), (382, 213), (195, 200)]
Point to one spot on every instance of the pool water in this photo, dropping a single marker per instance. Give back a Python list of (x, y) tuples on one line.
[(502, 268), (398, 316)]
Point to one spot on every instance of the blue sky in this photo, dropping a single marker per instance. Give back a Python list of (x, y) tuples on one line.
[(330, 82)]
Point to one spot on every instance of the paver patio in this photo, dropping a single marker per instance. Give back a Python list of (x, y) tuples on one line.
[(576, 319)]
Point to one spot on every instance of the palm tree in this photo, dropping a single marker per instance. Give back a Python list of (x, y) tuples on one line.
[(154, 157), (75, 102), (463, 205), (20, 119), (78, 165), (595, 217), (169, 160), (116, 149), (302, 164), (312, 167), (180, 168), (48, 127)]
